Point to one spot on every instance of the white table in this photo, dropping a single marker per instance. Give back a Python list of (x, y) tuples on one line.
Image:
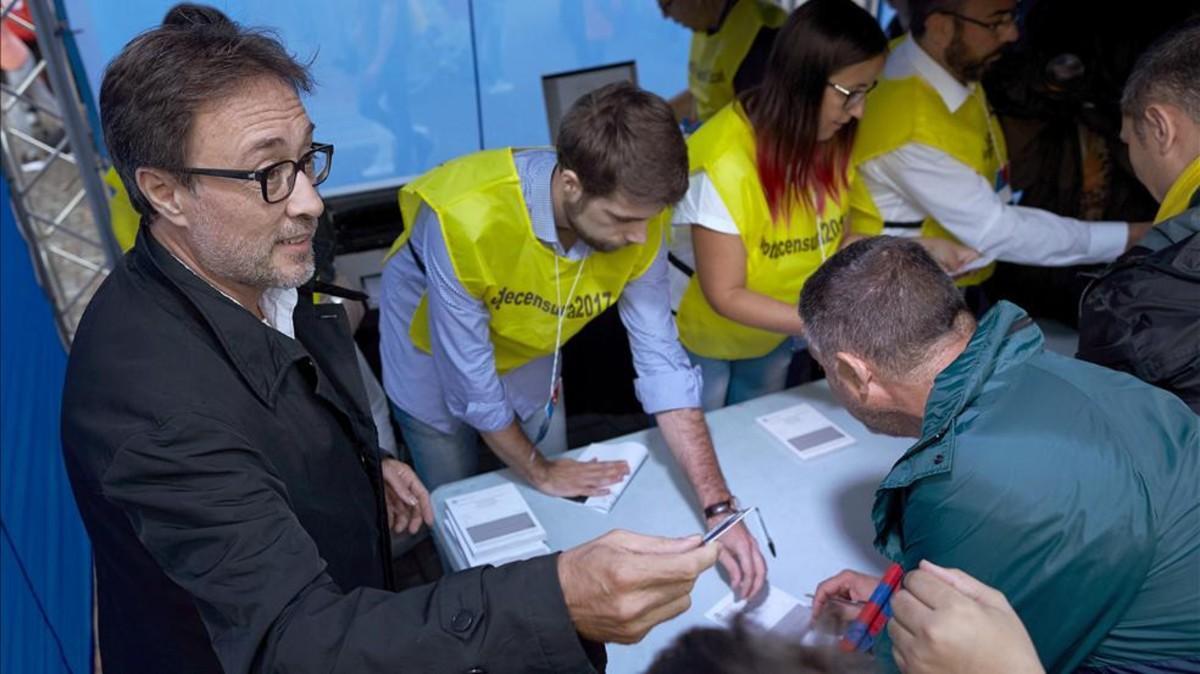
[(818, 511)]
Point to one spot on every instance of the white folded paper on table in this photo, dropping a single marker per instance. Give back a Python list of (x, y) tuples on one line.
[(774, 611), (632, 453), (805, 431)]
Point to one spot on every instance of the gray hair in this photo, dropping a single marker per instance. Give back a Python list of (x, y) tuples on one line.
[(1167, 72), (883, 299)]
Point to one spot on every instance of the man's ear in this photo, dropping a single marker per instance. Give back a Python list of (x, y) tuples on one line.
[(1160, 129), (855, 375), (164, 192), (571, 184), (939, 30)]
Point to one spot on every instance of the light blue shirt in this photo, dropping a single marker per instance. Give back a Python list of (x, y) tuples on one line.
[(459, 381)]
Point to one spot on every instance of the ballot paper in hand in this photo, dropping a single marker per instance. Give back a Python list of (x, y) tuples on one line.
[(774, 611), (805, 431), (632, 453)]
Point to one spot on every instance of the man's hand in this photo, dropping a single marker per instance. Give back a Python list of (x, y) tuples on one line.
[(950, 255), (1136, 231), (848, 585), (742, 559), (567, 477), (622, 584), (946, 621), (407, 499)]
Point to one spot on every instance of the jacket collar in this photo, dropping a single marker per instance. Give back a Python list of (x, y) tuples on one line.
[(259, 353), (1006, 336), (908, 59)]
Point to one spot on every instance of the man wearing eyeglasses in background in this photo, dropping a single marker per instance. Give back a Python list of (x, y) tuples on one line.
[(931, 158), (218, 438)]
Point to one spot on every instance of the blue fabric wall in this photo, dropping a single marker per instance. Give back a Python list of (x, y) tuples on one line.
[(45, 558)]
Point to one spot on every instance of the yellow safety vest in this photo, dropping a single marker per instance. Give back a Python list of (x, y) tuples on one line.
[(1183, 191), (779, 257), (125, 219), (498, 259), (909, 110), (714, 59)]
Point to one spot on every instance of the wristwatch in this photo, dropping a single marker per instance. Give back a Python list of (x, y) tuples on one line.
[(728, 506)]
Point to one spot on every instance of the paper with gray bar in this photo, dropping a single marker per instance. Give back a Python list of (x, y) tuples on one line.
[(805, 431), (494, 525)]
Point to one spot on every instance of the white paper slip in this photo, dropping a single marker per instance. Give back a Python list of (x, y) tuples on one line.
[(632, 453), (768, 611), (493, 518), (805, 431), (777, 612)]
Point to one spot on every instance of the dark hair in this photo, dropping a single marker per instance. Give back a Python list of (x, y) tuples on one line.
[(153, 88), (818, 39), (883, 299), (740, 650), (919, 10), (622, 138), (1167, 72)]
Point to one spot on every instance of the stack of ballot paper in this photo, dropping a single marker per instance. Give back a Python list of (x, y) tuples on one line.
[(494, 526), (632, 453)]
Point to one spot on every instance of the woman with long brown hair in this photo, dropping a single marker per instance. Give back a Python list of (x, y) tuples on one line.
[(768, 198)]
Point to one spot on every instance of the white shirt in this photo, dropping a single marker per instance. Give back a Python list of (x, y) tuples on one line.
[(916, 180), (703, 206)]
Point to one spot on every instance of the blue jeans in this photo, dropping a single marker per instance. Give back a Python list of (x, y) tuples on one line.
[(727, 382), (440, 457)]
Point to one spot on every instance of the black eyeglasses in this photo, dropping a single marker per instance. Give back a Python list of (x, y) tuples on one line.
[(279, 179), (853, 96), (1005, 19)]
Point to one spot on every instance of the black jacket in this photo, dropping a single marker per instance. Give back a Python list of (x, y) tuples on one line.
[(1142, 315), (229, 479)]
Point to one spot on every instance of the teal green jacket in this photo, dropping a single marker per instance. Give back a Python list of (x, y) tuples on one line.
[(1073, 489)]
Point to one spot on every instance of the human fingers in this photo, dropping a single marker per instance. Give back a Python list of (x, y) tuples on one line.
[(904, 643), (741, 545), (661, 613), (932, 590), (966, 584), (909, 611), (633, 541), (733, 569), (846, 584), (396, 476)]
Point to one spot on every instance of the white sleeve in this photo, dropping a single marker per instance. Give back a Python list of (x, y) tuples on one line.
[(934, 183), (702, 205)]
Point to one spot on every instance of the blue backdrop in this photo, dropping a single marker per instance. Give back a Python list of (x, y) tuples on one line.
[(45, 559), (403, 85)]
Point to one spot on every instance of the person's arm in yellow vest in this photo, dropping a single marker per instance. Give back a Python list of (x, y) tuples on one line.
[(669, 388), (721, 268), (916, 181)]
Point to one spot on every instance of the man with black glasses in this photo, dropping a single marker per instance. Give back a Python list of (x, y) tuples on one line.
[(218, 438)]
